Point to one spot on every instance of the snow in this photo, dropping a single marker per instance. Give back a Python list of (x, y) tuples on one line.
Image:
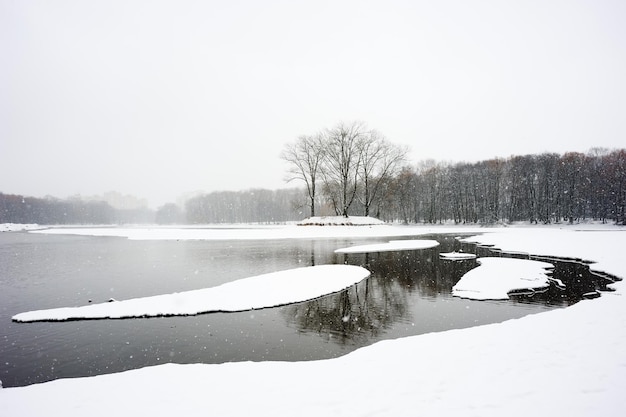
[(393, 245), (268, 290), (17, 227), (494, 278), (562, 362), (340, 221), (232, 233), (457, 256)]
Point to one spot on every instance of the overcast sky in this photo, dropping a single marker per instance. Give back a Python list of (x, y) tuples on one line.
[(160, 98)]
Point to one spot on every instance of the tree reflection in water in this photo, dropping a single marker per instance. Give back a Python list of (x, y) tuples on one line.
[(363, 312)]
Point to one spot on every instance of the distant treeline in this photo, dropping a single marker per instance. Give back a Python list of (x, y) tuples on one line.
[(546, 188), (49, 210), (257, 205)]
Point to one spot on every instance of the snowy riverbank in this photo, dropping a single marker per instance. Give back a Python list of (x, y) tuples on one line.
[(563, 362), (17, 227)]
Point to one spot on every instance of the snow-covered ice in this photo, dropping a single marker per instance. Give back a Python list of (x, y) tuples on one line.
[(393, 245), (567, 361), (267, 290), (494, 278), (457, 256)]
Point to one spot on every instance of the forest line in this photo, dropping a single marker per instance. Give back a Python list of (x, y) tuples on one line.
[(542, 189)]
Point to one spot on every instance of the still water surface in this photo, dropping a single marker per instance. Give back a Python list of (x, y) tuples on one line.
[(407, 294)]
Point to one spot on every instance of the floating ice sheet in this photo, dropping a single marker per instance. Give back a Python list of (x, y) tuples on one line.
[(494, 278), (268, 290), (457, 256), (393, 245)]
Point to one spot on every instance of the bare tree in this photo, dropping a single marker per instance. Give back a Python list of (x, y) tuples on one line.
[(520, 196), (305, 157), (403, 190), (547, 195), (570, 171), (380, 160), (432, 179), (342, 164), (617, 174)]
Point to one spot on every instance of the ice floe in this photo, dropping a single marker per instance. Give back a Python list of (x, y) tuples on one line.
[(457, 256), (495, 278), (267, 290), (393, 245)]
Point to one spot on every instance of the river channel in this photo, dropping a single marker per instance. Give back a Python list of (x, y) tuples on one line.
[(408, 293)]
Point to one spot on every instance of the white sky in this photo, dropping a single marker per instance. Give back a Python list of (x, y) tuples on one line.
[(159, 98)]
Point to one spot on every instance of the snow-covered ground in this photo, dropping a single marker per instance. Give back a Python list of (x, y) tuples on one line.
[(340, 221), (16, 227), (568, 361), (236, 232)]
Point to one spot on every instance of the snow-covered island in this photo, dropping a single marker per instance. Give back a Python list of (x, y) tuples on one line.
[(567, 361), (340, 221)]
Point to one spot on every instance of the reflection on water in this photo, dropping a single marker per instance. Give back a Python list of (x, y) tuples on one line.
[(578, 280), (402, 281), (370, 308), (407, 294)]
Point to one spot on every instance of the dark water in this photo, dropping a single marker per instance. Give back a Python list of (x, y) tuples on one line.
[(407, 294)]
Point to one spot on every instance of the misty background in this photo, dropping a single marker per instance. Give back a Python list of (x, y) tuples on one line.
[(163, 100)]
